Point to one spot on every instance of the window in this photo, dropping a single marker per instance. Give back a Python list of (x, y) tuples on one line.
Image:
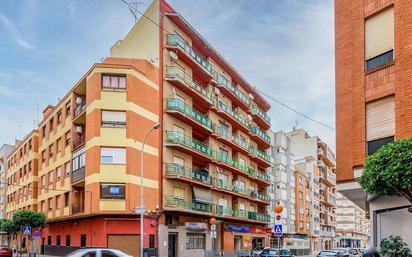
[(66, 199), (49, 241), (112, 155), (195, 241), (67, 168), (43, 131), (58, 240), (224, 154), (50, 177), (379, 39), (58, 202), (42, 206), (67, 138), (300, 195), (179, 161), (380, 119), (51, 151), (50, 204), (83, 240), (59, 145), (43, 156), (67, 240), (78, 159), (115, 119), (151, 241), (374, 145), (58, 172), (114, 81), (59, 117), (112, 191), (43, 181), (179, 193), (68, 111)]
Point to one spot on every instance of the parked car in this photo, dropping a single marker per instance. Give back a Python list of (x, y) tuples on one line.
[(273, 252), (5, 251), (258, 250), (362, 250), (344, 252), (328, 254), (97, 252), (355, 251)]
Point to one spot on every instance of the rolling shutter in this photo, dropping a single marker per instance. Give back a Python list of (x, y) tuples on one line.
[(380, 119), (379, 33), (129, 244)]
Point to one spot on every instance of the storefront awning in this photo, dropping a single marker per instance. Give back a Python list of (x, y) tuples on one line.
[(202, 195)]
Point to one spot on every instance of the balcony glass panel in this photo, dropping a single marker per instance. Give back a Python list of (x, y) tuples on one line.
[(178, 105), (174, 71), (177, 137)]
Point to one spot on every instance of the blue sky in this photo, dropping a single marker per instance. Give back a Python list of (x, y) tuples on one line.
[(283, 47)]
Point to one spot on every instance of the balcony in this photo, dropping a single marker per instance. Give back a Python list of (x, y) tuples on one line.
[(185, 52), (261, 118), (189, 145), (237, 120), (184, 82), (260, 137), (228, 138), (179, 203), (260, 157), (232, 165), (79, 109), (232, 189), (261, 217), (234, 94), (78, 175), (187, 175), (77, 208), (78, 142), (259, 176), (186, 113)]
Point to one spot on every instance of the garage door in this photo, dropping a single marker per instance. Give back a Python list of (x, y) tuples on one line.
[(129, 244)]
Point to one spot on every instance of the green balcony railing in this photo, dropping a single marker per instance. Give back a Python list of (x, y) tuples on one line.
[(240, 214), (222, 80), (259, 112), (179, 105), (220, 105), (260, 133), (225, 159), (223, 132), (177, 137), (258, 174), (177, 202), (177, 72), (258, 216), (174, 169), (260, 154), (222, 211), (240, 142), (176, 40), (262, 196)]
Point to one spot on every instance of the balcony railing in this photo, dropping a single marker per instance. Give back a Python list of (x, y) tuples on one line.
[(78, 141), (176, 202), (258, 174), (79, 109), (179, 105), (258, 216), (173, 71), (77, 208), (227, 160), (222, 80), (260, 133), (78, 175), (176, 40), (223, 132), (259, 112), (177, 137), (173, 169), (260, 154), (220, 105)]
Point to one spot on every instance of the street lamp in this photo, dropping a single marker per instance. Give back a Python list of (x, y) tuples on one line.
[(142, 207)]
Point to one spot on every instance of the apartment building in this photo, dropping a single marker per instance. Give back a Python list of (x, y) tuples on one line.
[(372, 100), (282, 189), (316, 160), (22, 175), (352, 226), (5, 151), (215, 156)]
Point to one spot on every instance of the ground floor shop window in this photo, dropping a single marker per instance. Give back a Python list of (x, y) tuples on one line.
[(195, 241), (83, 240)]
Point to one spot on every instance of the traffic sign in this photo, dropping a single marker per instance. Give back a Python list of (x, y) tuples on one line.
[(213, 234), (278, 230), (26, 230), (37, 234), (213, 227)]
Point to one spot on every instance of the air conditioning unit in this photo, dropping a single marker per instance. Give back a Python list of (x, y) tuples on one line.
[(78, 100), (79, 129)]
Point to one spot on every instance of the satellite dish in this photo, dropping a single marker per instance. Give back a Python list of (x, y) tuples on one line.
[(173, 55)]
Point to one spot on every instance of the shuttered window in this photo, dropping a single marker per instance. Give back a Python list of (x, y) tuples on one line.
[(379, 33), (113, 119), (380, 118)]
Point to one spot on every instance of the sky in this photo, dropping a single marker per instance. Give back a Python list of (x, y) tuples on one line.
[(283, 47)]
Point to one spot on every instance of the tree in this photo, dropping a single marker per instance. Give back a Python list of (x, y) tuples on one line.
[(394, 247), (389, 171), (29, 218), (8, 227)]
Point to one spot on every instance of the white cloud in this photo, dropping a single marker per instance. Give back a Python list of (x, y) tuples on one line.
[(12, 29)]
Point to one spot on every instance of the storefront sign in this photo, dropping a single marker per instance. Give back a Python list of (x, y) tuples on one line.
[(240, 229), (258, 230), (196, 226)]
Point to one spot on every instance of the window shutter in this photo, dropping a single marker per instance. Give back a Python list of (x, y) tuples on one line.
[(379, 33), (380, 119), (113, 116)]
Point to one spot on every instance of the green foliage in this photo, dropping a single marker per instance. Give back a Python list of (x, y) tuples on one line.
[(29, 218), (8, 226), (394, 247), (389, 170)]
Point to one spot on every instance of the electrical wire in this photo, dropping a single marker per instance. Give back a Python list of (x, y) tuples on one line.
[(260, 91)]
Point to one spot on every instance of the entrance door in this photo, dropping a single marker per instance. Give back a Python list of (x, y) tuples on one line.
[(238, 243), (172, 245), (258, 242)]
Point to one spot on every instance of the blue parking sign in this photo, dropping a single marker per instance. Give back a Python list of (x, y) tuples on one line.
[(278, 230)]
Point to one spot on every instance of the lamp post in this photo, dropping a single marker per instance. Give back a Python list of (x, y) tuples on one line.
[(142, 207)]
